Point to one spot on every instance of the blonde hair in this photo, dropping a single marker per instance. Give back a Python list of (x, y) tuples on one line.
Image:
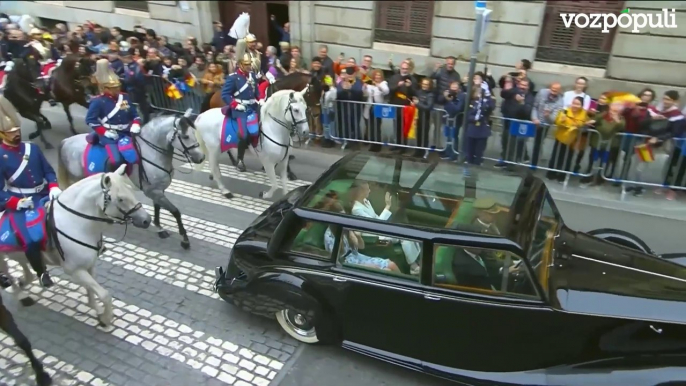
[(374, 73)]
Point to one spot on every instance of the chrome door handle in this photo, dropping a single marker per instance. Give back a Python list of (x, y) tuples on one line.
[(658, 330), (429, 297), (339, 279)]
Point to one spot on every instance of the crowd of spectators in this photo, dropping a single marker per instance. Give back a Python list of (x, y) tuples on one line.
[(351, 87)]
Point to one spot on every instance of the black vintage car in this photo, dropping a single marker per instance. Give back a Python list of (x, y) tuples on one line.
[(472, 277)]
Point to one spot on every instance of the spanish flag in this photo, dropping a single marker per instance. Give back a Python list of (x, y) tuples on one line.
[(645, 153), (410, 114), (190, 80), (173, 92)]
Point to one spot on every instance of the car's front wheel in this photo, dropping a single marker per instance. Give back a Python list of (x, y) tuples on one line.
[(300, 326)]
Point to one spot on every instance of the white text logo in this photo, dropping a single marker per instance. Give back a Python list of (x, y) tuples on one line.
[(632, 21)]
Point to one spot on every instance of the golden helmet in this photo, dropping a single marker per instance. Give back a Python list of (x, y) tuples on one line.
[(9, 118), (105, 76), (246, 59), (250, 38), (35, 31)]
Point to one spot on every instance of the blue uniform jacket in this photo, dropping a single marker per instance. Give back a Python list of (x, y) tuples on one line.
[(478, 127), (241, 89), (134, 78), (118, 66), (108, 113), (36, 174)]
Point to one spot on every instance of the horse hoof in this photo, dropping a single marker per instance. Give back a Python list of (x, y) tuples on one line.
[(186, 245), (292, 176), (43, 379), (27, 302), (163, 234), (211, 177), (228, 195), (102, 324), (260, 195)]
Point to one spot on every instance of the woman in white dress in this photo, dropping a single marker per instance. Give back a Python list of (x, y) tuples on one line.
[(361, 206)]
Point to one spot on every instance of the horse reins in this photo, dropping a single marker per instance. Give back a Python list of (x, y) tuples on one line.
[(53, 231), (290, 127)]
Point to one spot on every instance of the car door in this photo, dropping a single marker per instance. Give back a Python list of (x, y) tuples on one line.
[(379, 310), (476, 322)]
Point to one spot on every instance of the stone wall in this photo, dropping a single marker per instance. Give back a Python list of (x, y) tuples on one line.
[(653, 55)]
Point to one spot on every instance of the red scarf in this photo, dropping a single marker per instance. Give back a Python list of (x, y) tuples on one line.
[(672, 114)]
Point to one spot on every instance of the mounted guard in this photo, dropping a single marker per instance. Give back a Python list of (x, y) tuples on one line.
[(113, 119), (242, 108), (27, 182), (48, 58)]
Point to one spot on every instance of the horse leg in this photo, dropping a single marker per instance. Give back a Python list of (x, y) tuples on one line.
[(92, 301), (162, 233), (216, 173), (232, 158), (8, 325), (84, 278), (283, 170), (17, 285), (166, 204), (291, 175), (66, 105), (269, 169)]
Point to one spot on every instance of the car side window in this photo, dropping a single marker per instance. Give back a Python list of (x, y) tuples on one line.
[(311, 239), (380, 254), (481, 270)]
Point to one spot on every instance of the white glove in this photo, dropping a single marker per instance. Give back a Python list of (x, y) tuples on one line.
[(25, 203), (9, 66), (135, 128), (240, 108), (270, 77), (112, 134), (54, 193), (261, 102)]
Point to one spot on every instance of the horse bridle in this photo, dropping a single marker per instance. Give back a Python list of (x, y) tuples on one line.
[(107, 200), (290, 127), (170, 148)]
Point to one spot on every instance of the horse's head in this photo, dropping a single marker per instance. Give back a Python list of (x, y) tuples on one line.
[(314, 92), (119, 199), (183, 139), (241, 26), (84, 70), (29, 68), (296, 112)]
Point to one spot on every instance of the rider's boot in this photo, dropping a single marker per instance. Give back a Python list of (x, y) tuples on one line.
[(35, 258), (242, 147), (5, 281)]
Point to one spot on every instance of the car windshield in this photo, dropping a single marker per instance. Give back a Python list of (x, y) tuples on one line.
[(421, 193)]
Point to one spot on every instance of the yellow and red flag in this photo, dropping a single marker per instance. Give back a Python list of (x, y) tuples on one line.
[(410, 114), (173, 92), (190, 80), (645, 153)]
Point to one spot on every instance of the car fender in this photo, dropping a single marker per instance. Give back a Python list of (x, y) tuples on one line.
[(284, 289), (622, 238)]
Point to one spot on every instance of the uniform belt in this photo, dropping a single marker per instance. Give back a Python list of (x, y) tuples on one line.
[(115, 127), (246, 101), (36, 189)]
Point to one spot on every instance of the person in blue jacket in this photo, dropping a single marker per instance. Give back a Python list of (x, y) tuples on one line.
[(240, 94), (135, 82), (27, 178), (478, 128), (113, 117), (454, 104)]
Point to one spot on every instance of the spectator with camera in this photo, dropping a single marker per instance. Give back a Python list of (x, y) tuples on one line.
[(402, 87), (454, 102), (444, 75), (517, 104)]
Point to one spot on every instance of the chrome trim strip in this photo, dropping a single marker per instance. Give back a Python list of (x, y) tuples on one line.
[(537, 304), (629, 268)]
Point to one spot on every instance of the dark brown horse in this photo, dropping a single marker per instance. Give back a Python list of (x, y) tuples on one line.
[(295, 81), (70, 83)]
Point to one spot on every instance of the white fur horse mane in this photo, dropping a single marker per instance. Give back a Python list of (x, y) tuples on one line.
[(241, 26)]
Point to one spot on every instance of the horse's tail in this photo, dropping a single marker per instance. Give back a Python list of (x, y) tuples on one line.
[(201, 143), (62, 171)]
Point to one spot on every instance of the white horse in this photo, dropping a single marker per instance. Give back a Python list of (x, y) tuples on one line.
[(75, 224), (240, 27), (283, 115)]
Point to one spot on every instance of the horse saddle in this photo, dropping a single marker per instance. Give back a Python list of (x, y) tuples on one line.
[(17, 228)]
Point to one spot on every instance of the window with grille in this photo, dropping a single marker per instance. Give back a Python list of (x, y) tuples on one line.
[(404, 22), (576, 46), (134, 5)]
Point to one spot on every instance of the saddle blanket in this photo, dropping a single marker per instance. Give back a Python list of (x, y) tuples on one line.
[(98, 156), (18, 228), (45, 69), (235, 129)]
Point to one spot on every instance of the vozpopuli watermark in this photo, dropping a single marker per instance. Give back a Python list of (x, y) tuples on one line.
[(626, 19)]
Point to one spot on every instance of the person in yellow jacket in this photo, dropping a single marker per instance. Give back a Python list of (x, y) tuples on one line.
[(568, 139)]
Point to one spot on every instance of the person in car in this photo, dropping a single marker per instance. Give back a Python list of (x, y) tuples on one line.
[(352, 241), (470, 269), (484, 222), (359, 192)]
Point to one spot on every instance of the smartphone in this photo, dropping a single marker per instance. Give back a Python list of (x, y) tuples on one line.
[(593, 105)]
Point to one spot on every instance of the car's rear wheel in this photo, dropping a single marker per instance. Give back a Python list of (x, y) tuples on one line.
[(298, 325)]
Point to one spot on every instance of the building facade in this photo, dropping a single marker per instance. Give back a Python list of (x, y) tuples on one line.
[(425, 31)]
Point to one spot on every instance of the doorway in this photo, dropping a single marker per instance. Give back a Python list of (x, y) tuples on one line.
[(280, 11)]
